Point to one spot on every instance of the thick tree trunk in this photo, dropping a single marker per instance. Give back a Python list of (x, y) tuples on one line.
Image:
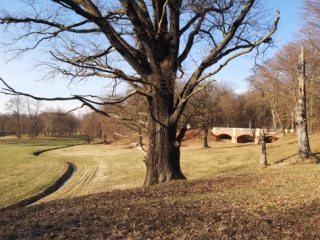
[(163, 156), (301, 119), (163, 159)]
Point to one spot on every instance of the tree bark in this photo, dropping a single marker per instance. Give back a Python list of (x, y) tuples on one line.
[(163, 159), (274, 120), (205, 138), (302, 126), (140, 136), (263, 155), (163, 156)]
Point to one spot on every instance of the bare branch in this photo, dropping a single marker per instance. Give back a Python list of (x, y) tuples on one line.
[(83, 98), (212, 57), (95, 68), (162, 18), (140, 148), (189, 24), (61, 27), (10, 91), (182, 100), (190, 42)]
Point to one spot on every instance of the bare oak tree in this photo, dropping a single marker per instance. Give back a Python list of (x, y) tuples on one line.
[(33, 107), (16, 106), (4, 122), (311, 14), (310, 39), (147, 44), (207, 108)]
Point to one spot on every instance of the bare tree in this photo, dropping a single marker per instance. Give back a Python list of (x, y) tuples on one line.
[(256, 110), (310, 38), (311, 15), (33, 107), (55, 123), (301, 119), (46, 118), (157, 39), (277, 81), (203, 110), (16, 106), (88, 127), (226, 104), (4, 122), (263, 154), (135, 112)]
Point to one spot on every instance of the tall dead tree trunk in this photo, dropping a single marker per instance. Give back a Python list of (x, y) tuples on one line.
[(301, 116)]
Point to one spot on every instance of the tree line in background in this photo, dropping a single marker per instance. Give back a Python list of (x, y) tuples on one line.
[(151, 46), (276, 80), (269, 103), (26, 117), (215, 105), (156, 41)]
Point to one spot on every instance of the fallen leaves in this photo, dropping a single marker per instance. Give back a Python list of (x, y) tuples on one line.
[(220, 208)]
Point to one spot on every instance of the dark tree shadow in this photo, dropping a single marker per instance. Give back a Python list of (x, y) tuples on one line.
[(50, 149)]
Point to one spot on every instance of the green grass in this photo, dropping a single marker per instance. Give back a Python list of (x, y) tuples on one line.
[(22, 174)]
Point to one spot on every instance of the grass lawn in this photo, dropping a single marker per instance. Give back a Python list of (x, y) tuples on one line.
[(22, 174), (226, 196)]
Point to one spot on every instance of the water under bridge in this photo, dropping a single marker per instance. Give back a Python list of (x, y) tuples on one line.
[(241, 135)]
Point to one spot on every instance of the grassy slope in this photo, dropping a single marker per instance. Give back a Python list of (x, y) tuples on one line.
[(100, 168), (23, 174), (232, 198)]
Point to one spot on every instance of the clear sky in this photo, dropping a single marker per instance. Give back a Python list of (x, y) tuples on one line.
[(22, 77)]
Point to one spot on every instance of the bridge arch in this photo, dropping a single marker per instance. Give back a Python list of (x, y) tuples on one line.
[(271, 138), (240, 135), (224, 136), (245, 138)]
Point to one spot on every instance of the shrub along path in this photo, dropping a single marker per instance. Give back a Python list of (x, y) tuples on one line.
[(279, 203)]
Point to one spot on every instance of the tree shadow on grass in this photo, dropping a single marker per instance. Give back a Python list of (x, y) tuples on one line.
[(240, 145), (314, 158), (283, 159), (37, 153)]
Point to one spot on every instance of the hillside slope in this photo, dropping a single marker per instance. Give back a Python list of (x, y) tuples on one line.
[(281, 201)]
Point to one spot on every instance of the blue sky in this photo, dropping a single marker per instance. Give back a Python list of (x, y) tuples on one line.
[(240, 68), (22, 77)]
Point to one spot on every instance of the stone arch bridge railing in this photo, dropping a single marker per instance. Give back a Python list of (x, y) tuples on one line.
[(237, 133)]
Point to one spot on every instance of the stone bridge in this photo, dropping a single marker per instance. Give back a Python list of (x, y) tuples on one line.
[(241, 135)]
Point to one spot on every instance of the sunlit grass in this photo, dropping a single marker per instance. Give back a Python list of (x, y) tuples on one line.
[(102, 168), (23, 174), (220, 159)]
